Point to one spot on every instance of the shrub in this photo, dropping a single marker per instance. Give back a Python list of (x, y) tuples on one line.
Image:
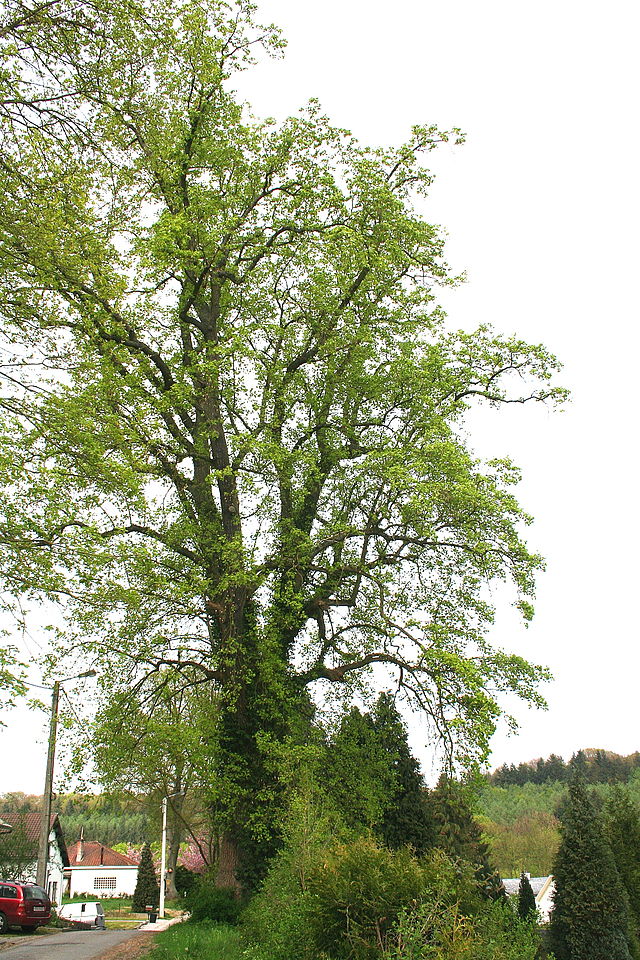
[(346, 903), (438, 930), (185, 880), (357, 894), (205, 901), (278, 917)]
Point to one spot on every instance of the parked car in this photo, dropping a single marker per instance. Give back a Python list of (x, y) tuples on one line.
[(87, 911), (23, 905)]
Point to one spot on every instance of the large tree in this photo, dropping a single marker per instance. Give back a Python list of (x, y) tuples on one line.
[(233, 415)]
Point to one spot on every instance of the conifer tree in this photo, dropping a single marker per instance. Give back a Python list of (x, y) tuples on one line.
[(459, 835), (527, 909), (407, 819), (622, 830), (147, 890), (357, 773), (590, 919)]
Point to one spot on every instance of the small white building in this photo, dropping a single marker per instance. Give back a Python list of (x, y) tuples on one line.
[(27, 825), (543, 890), (99, 871)]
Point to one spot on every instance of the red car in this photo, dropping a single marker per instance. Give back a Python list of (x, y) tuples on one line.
[(23, 905)]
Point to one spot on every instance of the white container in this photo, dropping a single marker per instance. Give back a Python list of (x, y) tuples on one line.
[(90, 911)]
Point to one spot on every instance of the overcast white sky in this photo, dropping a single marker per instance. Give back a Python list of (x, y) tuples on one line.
[(542, 206)]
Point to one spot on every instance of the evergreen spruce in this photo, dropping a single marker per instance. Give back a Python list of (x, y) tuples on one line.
[(590, 919), (459, 835), (357, 773), (527, 909), (622, 830), (147, 892), (407, 819)]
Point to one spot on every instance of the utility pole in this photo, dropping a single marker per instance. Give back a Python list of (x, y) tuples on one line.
[(45, 821), (163, 854)]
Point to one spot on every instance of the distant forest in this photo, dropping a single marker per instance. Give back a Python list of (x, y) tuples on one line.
[(598, 766), (519, 808), (108, 819)]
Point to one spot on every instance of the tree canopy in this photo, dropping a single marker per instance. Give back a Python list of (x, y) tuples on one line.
[(232, 412)]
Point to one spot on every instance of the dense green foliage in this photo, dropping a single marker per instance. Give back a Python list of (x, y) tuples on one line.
[(356, 900), (436, 931), (109, 819), (528, 843), (147, 892), (207, 902), (459, 835), (621, 818), (367, 770), (357, 772), (234, 415), (408, 817), (427, 933), (590, 919)]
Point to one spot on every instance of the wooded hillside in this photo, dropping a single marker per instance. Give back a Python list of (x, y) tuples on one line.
[(518, 806)]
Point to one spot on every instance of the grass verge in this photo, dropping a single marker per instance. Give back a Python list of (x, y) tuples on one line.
[(198, 941)]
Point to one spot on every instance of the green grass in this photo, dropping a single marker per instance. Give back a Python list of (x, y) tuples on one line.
[(198, 941)]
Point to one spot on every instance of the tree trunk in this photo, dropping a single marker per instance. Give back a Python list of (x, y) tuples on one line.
[(228, 863), (172, 863)]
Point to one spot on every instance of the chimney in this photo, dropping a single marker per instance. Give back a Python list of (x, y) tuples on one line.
[(80, 853)]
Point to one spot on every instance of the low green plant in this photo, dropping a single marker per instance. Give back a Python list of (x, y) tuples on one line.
[(345, 901), (357, 893), (185, 880), (438, 930), (206, 902)]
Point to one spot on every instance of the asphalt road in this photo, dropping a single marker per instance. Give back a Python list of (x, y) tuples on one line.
[(67, 945)]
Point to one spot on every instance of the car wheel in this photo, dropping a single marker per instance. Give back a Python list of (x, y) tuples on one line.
[(4, 926), (29, 929)]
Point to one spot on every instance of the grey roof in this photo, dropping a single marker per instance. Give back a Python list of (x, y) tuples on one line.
[(512, 884)]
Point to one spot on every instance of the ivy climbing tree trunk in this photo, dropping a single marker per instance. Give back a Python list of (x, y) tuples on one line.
[(233, 413)]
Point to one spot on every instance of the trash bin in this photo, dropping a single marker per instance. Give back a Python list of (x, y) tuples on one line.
[(152, 913)]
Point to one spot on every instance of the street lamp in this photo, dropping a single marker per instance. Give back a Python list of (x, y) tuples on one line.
[(163, 855), (45, 821)]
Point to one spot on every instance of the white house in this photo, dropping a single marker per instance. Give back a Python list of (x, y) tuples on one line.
[(543, 890), (28, 825), (99, 871)]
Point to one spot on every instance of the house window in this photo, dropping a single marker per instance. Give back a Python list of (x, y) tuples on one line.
[(104, 883)]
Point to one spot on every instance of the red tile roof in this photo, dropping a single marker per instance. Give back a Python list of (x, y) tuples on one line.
[(30, 824), (97, 855)]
